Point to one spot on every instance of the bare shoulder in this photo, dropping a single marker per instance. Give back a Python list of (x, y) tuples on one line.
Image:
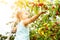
[(26, 22)]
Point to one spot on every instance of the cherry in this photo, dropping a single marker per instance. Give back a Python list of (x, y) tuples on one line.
[(40, 4)]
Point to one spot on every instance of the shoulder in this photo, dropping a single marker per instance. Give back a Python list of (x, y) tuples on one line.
[(21, 23), (25, 22)]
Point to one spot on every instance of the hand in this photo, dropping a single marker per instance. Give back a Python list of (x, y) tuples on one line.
[(14, 29), (42, 12)]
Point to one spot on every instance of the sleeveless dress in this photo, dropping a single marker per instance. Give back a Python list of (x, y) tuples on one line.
[(22, 32)]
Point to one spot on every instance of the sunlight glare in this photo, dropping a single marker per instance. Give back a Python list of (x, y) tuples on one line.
[(5, 14)]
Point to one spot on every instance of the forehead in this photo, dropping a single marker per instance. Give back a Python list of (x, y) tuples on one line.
[(22, 12), (26, 13), (18, 13)]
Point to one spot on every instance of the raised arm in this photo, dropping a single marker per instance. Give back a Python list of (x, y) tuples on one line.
[(32, 19)]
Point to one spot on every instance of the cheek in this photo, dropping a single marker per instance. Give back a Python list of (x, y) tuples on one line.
[(25, 16)]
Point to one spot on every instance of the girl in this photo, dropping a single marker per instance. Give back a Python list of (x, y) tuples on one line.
[(22, 28)]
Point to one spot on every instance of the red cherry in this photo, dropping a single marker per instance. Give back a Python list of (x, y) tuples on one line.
[(40, 4)]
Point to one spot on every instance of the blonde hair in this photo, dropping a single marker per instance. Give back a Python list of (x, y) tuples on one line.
[(18, 15)]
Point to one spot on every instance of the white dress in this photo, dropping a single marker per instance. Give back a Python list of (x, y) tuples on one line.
[(22, 32)]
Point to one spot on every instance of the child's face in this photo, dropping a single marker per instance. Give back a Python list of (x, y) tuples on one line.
[(22, 15), (25, 15)]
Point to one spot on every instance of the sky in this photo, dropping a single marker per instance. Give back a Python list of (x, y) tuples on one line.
[(5, 14)]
